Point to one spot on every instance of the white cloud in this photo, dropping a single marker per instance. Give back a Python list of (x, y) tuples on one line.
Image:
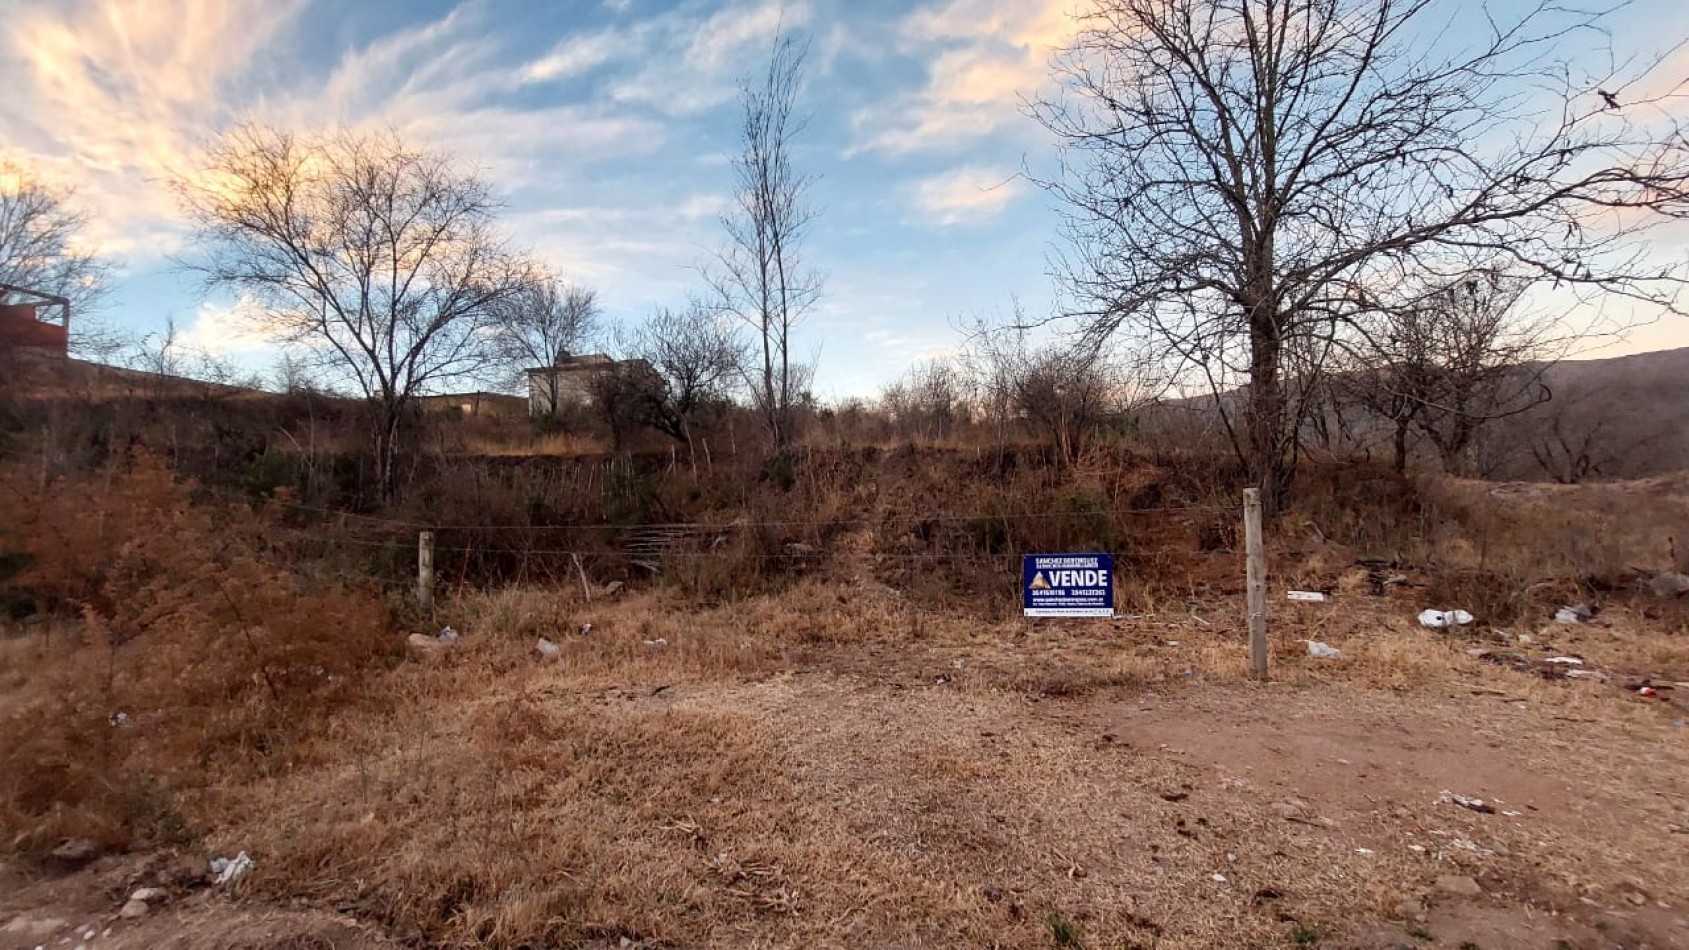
[(222, 330), (967, 195), (573, 56), (984, 56)]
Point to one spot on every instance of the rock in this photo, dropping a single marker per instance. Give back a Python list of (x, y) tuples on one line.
[(74, 853), (1669, 584), (134, 909), (547, 648), (150, 895), (424, 645), (27, 926), (1293, 810), (1459, 885), (613, 588)]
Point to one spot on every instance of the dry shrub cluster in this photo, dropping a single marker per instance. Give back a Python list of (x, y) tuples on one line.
[(169, 652)]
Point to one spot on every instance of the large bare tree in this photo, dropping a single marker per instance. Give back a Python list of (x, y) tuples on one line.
[(1240, 177), (380, 259), (761, 276), (44, 248)]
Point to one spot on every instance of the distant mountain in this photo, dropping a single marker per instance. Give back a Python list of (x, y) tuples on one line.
[(1627, 416)]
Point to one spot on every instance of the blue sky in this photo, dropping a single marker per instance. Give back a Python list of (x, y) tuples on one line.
[(608, 123)]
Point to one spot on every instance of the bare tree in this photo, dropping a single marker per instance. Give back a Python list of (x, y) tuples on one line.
[(380, 259), (761, 277), (542, 324), (694, 360), (932, 400), (1068, 395), (43, 248), (1240, 175), (1449, 361)]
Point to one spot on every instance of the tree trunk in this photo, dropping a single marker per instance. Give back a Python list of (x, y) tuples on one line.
[(1266, 463), (386, 445), (1401, 446)]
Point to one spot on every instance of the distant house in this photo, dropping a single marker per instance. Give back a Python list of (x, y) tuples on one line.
[(24, 330), (573, 381), (473, 404)]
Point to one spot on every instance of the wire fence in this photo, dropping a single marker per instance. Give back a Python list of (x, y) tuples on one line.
[(977, 546)]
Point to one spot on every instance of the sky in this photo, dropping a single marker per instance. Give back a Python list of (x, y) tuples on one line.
[(608, 125)]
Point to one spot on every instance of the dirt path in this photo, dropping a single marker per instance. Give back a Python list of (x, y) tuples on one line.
[(1184, 816)]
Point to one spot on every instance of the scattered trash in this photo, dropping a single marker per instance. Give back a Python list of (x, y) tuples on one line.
[(1439, 619), (1512, 814), (1565, 660), (1324, 651), (1172, 643), (1466, 801), (659, 642), (1647, 691), (1219, 879), (1573, 613), (1526, 639), (1311, 596), (1364, 851), (229, 870), (547, 648), (1587, 675), (586, 629), (447, 636), (118, 719)]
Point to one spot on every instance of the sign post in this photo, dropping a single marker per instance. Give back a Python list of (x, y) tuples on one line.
[(1067, 585)]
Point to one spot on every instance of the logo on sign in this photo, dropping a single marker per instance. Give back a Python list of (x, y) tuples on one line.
[(1068, 585)]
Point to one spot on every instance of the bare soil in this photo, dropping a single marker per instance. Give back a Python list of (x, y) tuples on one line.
[(972, 789)]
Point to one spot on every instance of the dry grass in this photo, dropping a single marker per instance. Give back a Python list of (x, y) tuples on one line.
[(834, 763)]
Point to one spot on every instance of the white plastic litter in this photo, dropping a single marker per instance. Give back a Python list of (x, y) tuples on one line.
[(448, 635), (118, 719), (1311, 596), (1564, 660), (659, 642), (1324, 651), (1438, 619), (547, 648), (1573, 613), (229, 870), (1587, 675), (586, 629)]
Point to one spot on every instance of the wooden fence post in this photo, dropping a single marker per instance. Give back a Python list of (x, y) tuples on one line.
[(1256, 576), (425, 571)]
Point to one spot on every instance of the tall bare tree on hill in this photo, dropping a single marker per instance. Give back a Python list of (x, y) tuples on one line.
[(761, 276), (1240, 176), (379, 259)]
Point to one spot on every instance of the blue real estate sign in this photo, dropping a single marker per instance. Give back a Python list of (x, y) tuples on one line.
[(1067, 585)]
